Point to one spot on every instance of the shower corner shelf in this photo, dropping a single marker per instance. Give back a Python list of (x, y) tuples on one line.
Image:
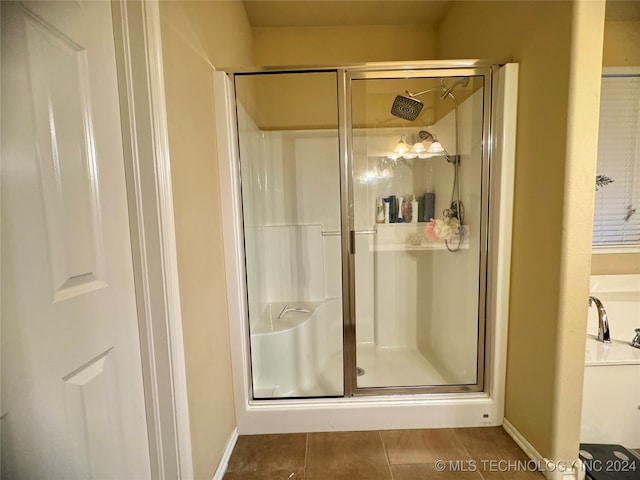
[(393, 237)]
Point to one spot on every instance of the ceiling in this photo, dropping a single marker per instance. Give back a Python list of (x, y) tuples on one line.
[(322, 13)]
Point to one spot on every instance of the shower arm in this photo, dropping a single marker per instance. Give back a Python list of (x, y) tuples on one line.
[(447, 91), (412, 95)]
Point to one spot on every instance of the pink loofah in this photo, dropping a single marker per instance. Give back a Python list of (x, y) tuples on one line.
[(430, 230)]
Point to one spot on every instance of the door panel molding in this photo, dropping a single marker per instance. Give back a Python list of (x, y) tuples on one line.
[(66, 157), (147, 165), (93, 415)]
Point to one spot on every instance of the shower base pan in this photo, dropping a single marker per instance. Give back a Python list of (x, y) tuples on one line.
[(395, 366)]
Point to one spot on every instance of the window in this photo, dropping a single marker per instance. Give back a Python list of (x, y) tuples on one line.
[(617, 207)]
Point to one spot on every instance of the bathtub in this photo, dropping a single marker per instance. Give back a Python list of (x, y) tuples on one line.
[(611, 400), (298, 355)]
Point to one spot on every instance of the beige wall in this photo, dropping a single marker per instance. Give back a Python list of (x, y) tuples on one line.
[(621, 43), (195, 37), (615, 264), (549, 275), (308, 100), (342, 45), (579, 196), (621, 49), (329, 46)]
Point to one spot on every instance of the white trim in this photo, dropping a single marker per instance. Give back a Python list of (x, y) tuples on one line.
[(147, 165), (559, 470), (624, 249), (499, 271), (168, 236), (229, 179), (522, 442), (228, 450)]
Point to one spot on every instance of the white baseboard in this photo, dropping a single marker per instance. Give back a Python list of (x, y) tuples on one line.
[(550, 469), (224, 461)]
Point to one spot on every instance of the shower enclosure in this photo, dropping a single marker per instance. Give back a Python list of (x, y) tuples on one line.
[(367, 233), (365, 212)]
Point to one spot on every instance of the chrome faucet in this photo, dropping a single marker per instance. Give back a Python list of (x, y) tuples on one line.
[(604, 335), (286, 310), (636, 340)]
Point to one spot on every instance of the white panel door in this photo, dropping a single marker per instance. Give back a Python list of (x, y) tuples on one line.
[(72, 390)]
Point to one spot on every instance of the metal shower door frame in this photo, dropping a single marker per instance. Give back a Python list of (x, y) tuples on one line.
[(345, 130), (393, 70)]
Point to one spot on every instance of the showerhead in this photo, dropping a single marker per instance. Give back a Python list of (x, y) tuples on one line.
[(406, 107)]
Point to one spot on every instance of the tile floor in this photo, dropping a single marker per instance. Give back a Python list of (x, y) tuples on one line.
[(476, 454)]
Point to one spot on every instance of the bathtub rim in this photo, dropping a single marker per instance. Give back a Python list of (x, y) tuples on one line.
[(622, 352)]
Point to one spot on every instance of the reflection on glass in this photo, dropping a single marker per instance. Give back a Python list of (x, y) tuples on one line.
[(417, 188), (291, 200)]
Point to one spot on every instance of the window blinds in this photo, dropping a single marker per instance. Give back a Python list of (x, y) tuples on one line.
[(617, 207)]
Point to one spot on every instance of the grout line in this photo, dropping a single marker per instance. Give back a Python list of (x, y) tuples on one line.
[(462, 444), (480, 472), (306, 454), (386, 454), (459, 440)]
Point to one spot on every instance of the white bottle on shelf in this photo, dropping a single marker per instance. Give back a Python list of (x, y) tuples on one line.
[(380, 210), (386, 210)]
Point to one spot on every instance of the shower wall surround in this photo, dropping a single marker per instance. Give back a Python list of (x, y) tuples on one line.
[(289, 192), (419, 308), (289, 230)]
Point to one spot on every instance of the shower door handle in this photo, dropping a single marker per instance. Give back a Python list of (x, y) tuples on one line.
[(352, 242)]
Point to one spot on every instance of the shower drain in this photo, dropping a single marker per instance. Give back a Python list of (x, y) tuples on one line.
[(359, 371)]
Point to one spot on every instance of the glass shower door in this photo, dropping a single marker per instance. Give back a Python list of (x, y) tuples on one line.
[(289, 162), (418, 179)]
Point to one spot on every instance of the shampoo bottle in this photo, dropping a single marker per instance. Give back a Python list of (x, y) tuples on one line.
[(429, 206), (379, 210), (421, 208), (393, 209), (386, 210), (414, 209), (406, 209)]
